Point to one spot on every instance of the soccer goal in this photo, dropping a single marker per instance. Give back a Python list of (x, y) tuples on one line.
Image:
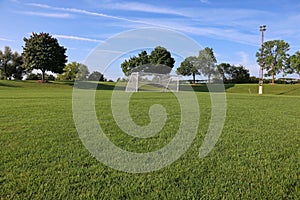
[(152, 82)]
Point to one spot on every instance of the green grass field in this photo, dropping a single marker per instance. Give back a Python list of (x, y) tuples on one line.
[(256, 157)]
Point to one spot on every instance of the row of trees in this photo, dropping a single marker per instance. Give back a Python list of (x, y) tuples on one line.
[(72, 71), (273, 56), (204, 64), (79, 71), (43, 52)]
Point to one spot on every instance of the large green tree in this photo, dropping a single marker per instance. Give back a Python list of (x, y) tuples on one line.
[(43, 52), (294, 62), (159, 61), (273, 57), (189, 67), (207, 62), (11, 64)]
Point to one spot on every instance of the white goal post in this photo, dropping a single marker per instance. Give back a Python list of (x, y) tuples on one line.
[(152, 82)]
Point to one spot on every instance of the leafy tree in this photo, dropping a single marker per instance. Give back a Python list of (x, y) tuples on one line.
[(83, 72), (128, 65), (239, 74), (224, 71), (294, 62), (159, 61), (188, 67), (11, 64), (162, 56), (143, 58), (70, 71), (134, 62), (17, 70), (96, 76), (74, 71), (274, 57), (233, 74), (5, 59), (207, 61), (43, 52)]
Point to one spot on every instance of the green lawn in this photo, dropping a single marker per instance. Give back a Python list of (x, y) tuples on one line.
[(42, 157)]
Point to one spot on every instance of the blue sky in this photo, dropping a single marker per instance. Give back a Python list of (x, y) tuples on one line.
[(230, 27)]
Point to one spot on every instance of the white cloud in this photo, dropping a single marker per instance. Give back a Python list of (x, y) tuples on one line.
[(204, 1), (248, 63), (43, 14), (15, 1), (80, 11), (6, 40), (212, 32), (142, 7), (225, 24), (96, 14), (70, 37), (244, 58)]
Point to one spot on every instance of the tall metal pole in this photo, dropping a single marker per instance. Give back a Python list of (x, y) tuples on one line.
[(262, 62)]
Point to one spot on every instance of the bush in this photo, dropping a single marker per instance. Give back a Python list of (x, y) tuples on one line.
[(96, 76)]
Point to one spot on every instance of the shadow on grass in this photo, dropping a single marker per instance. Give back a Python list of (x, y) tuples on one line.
[(70, 83), (98, 86), (9, 85), (204, 87), (196, 88), (288, 91)]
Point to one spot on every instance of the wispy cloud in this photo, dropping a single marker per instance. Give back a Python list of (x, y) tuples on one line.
[(15, 1), (80, 11), (70, 37), (43, 14), (228, 34), (205, 1), (95, 14), (6, 40), (202, 23), (142, 7), (244, 58)]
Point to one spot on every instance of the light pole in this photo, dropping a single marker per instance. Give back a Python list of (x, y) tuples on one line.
[(262, 62)]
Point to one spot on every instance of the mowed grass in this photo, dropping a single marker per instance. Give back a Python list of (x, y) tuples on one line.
[(42, 157)]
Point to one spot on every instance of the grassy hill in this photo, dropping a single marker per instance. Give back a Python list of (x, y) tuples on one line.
[(42, 156), (251, 89)]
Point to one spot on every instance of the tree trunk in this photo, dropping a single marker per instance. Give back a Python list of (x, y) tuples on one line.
[(273, 75), (5, 72), (43, 76), (194, 78)]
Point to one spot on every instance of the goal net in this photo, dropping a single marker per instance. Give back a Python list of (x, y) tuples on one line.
[(152, 82)]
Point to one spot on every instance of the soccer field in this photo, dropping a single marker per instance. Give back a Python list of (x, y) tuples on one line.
[(256, 156)]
